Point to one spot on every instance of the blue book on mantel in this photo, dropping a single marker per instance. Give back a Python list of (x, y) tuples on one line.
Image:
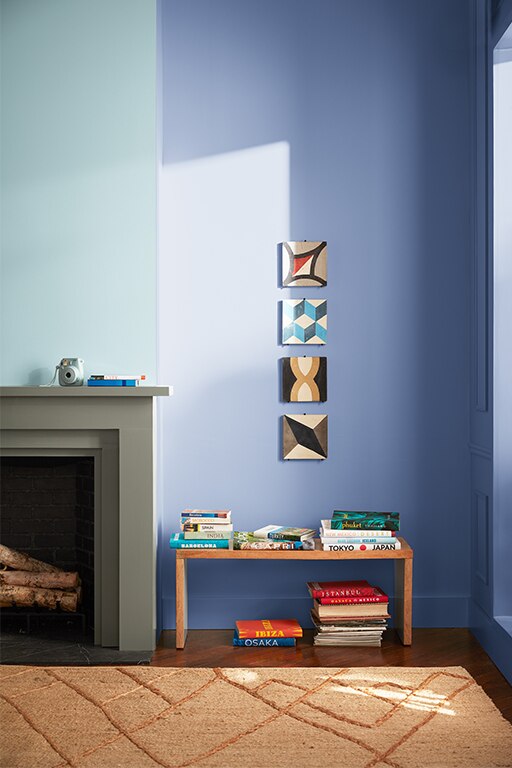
[(177, 542), (112, 382)]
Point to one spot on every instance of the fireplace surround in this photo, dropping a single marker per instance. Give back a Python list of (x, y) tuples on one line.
[(117, 429)]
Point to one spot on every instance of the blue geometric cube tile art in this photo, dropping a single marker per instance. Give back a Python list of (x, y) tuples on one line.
[(304, 321), (304, 263)]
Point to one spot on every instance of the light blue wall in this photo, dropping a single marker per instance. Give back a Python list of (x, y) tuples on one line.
[(346, 121), (78, 186)]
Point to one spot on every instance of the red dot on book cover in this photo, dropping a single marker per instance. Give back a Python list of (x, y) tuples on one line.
[(363, 546)]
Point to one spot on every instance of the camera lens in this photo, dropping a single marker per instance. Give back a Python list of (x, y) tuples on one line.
[(68, 374)]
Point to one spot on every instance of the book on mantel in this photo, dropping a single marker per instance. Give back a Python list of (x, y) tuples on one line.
[(113, 382)]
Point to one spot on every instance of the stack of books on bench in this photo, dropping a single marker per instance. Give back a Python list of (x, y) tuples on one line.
[(348, 612), (359, 531), (267, 633), (275, 537), (204, 529)]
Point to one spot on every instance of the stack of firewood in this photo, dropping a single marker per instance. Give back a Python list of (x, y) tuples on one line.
[(27, 582)]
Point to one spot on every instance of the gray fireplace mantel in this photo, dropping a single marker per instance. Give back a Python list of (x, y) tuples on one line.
[(117, 427)]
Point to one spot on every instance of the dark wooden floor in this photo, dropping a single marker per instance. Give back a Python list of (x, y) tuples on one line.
[(430, 648)]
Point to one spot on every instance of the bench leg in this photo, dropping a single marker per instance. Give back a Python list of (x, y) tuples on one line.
[(403, 600), (181, 603)]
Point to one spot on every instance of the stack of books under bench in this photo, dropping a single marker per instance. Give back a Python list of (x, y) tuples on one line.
[(348, 612)]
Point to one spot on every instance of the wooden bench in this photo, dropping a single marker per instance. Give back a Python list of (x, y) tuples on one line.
[(402, 608)]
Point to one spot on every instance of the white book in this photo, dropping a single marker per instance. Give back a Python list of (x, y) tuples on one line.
[(206, 527), (359, 547), (207, 520), (262, 533), (118, 376), (355, 540)]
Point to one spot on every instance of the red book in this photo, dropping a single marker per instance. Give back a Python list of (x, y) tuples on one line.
[(269, 628), (378, 596), (320, 589)]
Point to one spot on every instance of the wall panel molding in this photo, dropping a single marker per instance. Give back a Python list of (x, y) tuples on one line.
[(481, 331), (481, 536), (480, 450)]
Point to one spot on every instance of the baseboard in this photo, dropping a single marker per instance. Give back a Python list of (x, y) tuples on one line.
[(210, 613), (493, 638)]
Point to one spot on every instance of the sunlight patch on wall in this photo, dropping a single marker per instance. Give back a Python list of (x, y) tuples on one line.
[(220, 220)]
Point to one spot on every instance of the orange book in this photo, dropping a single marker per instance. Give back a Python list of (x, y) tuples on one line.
[(269, 628)]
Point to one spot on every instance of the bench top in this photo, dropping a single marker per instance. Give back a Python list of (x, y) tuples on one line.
[(405, 553)]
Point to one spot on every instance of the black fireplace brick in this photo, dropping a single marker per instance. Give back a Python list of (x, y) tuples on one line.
[(87, 574), (85, 484), (30, 524), (40, 512), (65, 525), (53, 483), (13, 483), (67, 554), (60, 511), (63, 497), (40, 554), (84, 498), (27, 498), (85, 528), (54, 540), (67, 469), (29, 470), (21, 541)]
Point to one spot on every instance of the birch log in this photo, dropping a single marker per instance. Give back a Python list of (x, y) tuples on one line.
[(22, 562), (61, 580), (25, 597)]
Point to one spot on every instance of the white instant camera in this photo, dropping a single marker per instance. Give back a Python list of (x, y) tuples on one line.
[(71, 372)]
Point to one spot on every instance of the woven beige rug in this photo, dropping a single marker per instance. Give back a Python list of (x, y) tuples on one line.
[(144, 717)]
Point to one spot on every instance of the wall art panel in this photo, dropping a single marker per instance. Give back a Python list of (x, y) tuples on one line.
[(304, 379), (304, 321), (304, 263), (305, 436)]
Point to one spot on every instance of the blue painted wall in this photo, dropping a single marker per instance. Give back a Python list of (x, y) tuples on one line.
[(78, 192), (345, 121)]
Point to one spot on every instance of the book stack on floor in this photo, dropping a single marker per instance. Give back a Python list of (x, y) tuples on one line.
[(275, 537), (360, 531), (267, 633), (111, 380), (348, 612), (204, 529)]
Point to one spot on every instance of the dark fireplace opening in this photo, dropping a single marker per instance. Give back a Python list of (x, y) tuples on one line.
[(47, 512)]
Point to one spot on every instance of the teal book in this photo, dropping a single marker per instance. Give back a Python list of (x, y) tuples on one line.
[(176, 542), (264, 642), (365, 520)]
